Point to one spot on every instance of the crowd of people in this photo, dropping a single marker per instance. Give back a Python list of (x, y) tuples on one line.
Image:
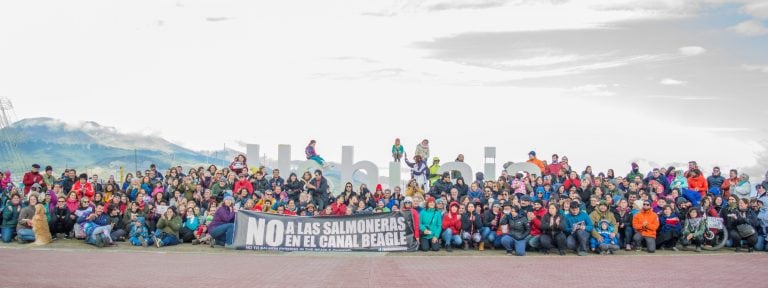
[(557, 210)]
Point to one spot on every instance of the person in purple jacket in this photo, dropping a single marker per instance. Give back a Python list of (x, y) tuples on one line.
[(223, 225)]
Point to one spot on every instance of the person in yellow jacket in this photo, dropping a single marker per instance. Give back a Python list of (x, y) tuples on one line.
[(433, 175)]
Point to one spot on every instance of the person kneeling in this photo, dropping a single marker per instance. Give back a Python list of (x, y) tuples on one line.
[(518, 229)]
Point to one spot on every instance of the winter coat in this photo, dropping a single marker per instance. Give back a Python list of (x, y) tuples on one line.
[(452, 221), (78, 188), (471, 223), (581, 218), (670, 223), (30, 179), (646, 216), (519, 227), (695, 226), (170, 227), (743, 190), (244, 183), (432, 220), (555, 227), (11, 215), (596, 217), (222, 216), (698, 184)]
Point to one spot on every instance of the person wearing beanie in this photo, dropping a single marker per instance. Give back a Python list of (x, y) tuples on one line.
[(535, 161), (222, 227), (578, 226), (602, 213), (452, 227), (433, 171), (430, 225), (645, 224)]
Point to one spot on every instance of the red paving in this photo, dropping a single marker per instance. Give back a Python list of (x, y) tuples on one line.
[(83, 268)]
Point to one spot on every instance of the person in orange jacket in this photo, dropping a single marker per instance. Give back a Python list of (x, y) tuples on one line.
[(532, 159), (697, 182), (645, 224)]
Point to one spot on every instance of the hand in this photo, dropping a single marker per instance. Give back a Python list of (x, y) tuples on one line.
[(689, 237), (434, 240), (427, 232), (613, 235), (645, 223)]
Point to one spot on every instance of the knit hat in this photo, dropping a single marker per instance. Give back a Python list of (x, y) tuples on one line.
[(430, 199), (408, 199), (378, 187), (635, 166), (525, 198), (602, 202), (532, 153), (574, 204), (230, 198), (453, 203)]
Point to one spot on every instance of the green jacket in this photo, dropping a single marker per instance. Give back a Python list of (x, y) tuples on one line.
[(216, 190), (11, 216), (432, 220), (697, 231), (433, 176), (170, 227), (49, 181)]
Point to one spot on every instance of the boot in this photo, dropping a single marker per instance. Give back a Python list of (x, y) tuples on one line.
[(465, 246), (482, 246)]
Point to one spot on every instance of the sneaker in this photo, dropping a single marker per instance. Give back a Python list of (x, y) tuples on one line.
[(99, 241), (675, 249), (582, 253), (66, 236), (610, 251), (629, 247), (561, 252), (509, 253), (465, 245), (698, 248), (195, 242), (54, 238), (157, 241), (449, 248), (143, 241), (738, 249), (750, 250)]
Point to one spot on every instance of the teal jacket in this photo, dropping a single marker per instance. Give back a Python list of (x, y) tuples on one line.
[(432, 220), (11, 215)]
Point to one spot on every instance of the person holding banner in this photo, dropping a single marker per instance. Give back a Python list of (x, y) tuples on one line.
[(222, 227), (430, 224)]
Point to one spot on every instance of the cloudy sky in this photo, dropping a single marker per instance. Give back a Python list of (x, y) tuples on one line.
[(604, 82)]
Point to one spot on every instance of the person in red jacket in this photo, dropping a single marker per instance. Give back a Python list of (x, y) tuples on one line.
[(338, 208), (452, 227), (535, 222), (33, 177), (83, 187), (244, 183), (697, 182), (572, 181), (408, 206)]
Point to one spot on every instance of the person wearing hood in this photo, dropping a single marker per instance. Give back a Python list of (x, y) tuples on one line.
[(742, 188), (762, 195), (479, 179), (578, 226), (139, 233), (239, 164), (430, 225), (634, 173), (680, 182), (602, 213), (741, 223), (452, 227), (168, 227), (670, 230), (645, 223), (535, 161), (419, 171), (242, 183), (610, 240), (517, 230)]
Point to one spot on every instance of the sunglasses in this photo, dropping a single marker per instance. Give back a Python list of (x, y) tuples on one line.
[(646, 204), (61, 201)]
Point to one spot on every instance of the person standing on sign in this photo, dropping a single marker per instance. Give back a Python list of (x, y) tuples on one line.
[(397, 150), (222, 227), (419, 171), (430, 225)]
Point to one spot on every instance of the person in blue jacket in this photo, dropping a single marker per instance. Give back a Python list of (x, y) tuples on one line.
[(578, 226)]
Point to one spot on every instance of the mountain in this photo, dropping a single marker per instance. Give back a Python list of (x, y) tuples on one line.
[(49, 141)]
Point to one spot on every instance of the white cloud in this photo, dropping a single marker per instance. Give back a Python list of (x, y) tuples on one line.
[(750, 28), (672, 82), (692, 50), (758, 10), (761, 68), (595, 90)]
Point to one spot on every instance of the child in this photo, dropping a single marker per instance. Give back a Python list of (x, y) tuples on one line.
[(139, 233), (609, 245)]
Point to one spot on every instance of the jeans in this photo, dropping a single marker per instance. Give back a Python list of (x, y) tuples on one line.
[(650, 242), (135, 241), (8, 233), (26, 235), (320, 161), (760, 244), (626, 235), (578, 241), (511, 243), (547, 241), (168, 240), (487, 234), (736, 239), (451, 239), (223, 234), (106, 230), (471, 237), (533, 241)]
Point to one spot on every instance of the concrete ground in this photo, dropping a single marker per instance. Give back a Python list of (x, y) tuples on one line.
[(71, 263)]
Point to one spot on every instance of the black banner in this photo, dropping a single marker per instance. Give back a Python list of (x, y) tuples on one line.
[(383, 232)]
